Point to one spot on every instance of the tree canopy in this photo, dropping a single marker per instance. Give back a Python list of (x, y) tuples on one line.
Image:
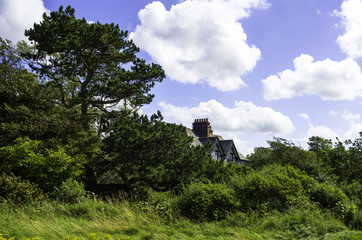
[(92, 65)]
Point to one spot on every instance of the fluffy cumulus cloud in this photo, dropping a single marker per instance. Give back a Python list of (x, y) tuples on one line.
[(243, 117), (18, 15), (351, 41), (328, 79), (200, 40)]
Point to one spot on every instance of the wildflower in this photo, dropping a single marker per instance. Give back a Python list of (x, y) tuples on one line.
[(93, 236), (107, 237)]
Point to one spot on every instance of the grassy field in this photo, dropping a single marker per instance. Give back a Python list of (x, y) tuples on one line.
[(122, 219)]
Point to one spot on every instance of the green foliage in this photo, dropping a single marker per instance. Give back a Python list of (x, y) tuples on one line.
[(15, 190), (272, 188), (71, 191), (47, 167), (141, 151), (202, 201), (284, 152), (85, 63), (306, 221), (329, 197), (320, 147), (345, 160), (354, 192), (326, 162), (21, 100)]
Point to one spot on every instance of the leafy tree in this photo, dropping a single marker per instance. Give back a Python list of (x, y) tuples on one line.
[(19, 92), (284, 152), (354, 165), (92, 65), (345, 160), (320, 147), (27, 105), (262, 156)]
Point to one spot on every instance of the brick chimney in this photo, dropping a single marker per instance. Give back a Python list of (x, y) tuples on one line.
[(202, 127)]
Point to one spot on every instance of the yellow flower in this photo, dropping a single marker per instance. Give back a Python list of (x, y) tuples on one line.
[(93, 236), (107, 237)]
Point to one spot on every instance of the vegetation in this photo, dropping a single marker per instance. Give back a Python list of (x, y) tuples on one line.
[(78, 161)]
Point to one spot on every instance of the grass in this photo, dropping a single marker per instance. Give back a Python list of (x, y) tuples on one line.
[(121, 219)]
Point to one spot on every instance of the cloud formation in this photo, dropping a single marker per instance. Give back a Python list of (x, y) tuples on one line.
[(200, 40), (351, 41), (353, 121), (328, 79), (243, 117), (322, 131), (18, 15), (304, 116)]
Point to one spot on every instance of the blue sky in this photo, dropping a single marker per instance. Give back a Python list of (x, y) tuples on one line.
[(256, 68)]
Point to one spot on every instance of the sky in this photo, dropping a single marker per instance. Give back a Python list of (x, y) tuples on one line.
[(257, 69)]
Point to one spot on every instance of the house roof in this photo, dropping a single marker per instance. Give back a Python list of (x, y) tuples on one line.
[(216, 143), (225, 145), (195, 138), (228, 145)]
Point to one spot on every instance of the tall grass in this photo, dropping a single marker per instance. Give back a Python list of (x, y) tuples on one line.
[(118, 218)]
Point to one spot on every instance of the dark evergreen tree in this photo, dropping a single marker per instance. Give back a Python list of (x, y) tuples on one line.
[(93, 65), (142, 151)]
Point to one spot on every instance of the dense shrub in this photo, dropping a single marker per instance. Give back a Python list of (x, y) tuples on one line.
[(353, 217), (15, 190), (70, 191), (271, 187), (354, 192), (47, 167), (329, 197), (202, 201)]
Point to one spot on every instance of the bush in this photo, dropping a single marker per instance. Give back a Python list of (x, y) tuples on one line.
[(353, 217), (201, 201), (329, 197), (270, 188), (47, 168), (70, 191), (354, 192), (15, 190)]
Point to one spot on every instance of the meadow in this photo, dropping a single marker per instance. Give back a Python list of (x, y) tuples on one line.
[(118, 218)]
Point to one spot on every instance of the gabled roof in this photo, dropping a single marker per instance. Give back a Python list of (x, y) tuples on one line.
[(224, 146), (216, 144)]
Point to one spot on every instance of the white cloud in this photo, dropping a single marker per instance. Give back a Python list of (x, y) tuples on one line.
[(322, 131), (18, 15), (243, 117), (354, 123), (304, 116), (354, 129), (328, 79), (200, 40), (351, 41), (350, 116)]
